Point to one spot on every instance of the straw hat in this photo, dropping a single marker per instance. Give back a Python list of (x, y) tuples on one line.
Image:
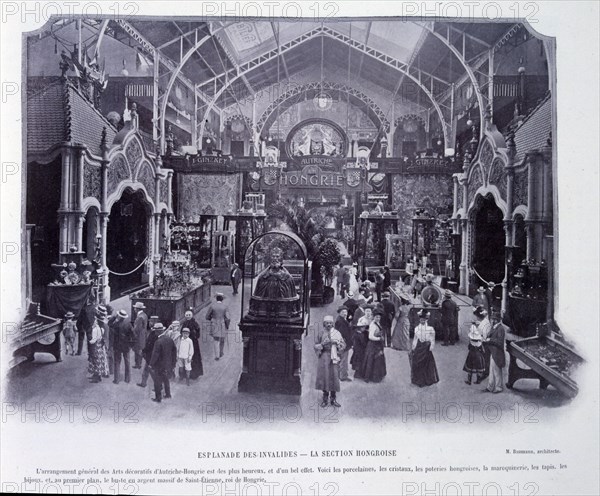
[(139, 304), (69, 315), (448, 294), (123, 314)]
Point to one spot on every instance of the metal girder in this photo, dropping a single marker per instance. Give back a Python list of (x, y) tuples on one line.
[(376, 54), (317, 85), (276, 35), (233, 62), (362, 57), (175, 40), (163, 107), (468, 69), (261, 59), (320, 31), (470, 36), (402, 67)]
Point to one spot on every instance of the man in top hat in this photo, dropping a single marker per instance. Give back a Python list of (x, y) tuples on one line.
[(140, 330), (387, 317), (343, 327), (157, 328), (449, 319), (122, 341), (236, 277), (162, 362), (481, 300)]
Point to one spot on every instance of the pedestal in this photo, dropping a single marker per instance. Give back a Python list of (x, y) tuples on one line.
[(272, 357)]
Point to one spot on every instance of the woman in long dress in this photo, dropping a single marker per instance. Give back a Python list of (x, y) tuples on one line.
[(401, 336), (97, 359), (374, 369), (360, 341), (194, 327), (329, 347), (423, 371)]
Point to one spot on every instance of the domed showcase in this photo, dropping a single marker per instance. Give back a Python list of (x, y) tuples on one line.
[(275, 309)]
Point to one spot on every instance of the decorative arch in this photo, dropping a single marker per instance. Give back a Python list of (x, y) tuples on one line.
[(133, 186), (310, 90), (521, 211), (90, 202), (487, 191)]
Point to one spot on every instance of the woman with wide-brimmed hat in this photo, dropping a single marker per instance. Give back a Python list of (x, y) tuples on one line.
[(423, 371), (373, 369)]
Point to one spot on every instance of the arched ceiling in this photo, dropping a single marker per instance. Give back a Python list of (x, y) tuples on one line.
[(272, 50)]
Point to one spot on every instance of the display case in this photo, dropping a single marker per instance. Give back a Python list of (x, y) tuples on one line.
[(37, 334), (275, 313), (249, 224), (527, 298), (374, 226)]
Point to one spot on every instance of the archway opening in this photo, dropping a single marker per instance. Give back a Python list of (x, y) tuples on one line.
[(488, 244), (127, 242)]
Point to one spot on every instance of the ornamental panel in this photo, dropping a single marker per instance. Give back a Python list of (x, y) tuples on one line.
[(134, 154), (520, 195), (497, 177), (118, 171), (163, 192), (146, 177), (485, 157), (92, 180), (220, 192)]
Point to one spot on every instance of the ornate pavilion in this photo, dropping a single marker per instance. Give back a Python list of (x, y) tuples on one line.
[(436, 143)]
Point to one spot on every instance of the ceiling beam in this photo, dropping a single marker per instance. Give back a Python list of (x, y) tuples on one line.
[(277, 38), (362, 56)]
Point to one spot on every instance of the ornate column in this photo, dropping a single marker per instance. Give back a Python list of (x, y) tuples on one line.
[(65, 196), (103, 221), (170, 191), (464, 262), (455, 194)]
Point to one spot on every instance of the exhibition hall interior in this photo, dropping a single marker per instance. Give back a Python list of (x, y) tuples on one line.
[(341, 217)]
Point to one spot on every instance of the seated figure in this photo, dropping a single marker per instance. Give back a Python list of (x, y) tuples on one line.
[(275, 295)]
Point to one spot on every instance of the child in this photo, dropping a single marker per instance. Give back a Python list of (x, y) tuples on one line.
[(475, 362), (185, 352), (69, 331)]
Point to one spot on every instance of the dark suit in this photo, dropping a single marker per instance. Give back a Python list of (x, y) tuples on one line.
[(147, 354), (450, 321), (122, 341), (236, 277), (162, 362), (389, 310), (84, 325)]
